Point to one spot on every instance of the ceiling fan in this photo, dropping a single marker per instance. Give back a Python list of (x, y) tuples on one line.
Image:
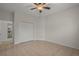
[(40, 6)]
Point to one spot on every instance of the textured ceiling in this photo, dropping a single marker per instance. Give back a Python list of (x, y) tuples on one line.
[(25, 7)]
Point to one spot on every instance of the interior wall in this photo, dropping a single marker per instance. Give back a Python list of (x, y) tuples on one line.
[(20, 17), (40, 27), (3, 30), (62, 27), (5, 15), (5, 18), (38, 22)]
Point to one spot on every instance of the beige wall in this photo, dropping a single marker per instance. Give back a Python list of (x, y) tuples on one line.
[(5, 15), (40, 27), (62, 27), (38, 21), (5, 18), (19, 18)]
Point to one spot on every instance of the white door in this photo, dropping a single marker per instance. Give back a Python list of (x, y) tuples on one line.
[(25, 32)]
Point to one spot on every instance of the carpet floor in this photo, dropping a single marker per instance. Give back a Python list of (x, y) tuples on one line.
[(39, 48)]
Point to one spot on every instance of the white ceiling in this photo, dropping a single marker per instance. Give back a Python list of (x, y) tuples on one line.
[(25, 7)]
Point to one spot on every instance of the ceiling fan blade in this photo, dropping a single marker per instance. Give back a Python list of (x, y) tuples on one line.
[(46, 7), (44, 3), (32, 8), (36, 3), (39, 3)]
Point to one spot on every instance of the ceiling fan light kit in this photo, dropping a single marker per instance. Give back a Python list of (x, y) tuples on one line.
[(40, 7)]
